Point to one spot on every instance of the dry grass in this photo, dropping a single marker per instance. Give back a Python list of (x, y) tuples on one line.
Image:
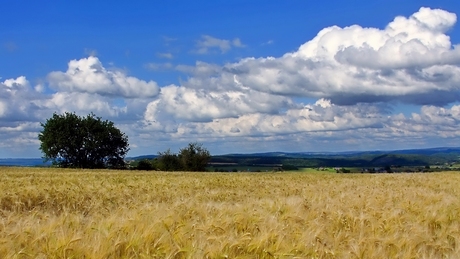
[(51, 213)]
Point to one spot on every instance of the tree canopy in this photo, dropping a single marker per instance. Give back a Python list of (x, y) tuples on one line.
[(168, 161), (83, 142), (194, 158)]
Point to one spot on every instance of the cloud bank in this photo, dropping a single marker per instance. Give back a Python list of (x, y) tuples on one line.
[(411, 60)]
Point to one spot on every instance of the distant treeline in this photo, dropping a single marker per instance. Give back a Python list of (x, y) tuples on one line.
[(441, 159), (351, 160)]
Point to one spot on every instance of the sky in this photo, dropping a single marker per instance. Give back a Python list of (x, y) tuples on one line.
[(240, 76)]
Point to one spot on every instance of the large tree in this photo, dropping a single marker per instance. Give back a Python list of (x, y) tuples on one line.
[(83, 142)]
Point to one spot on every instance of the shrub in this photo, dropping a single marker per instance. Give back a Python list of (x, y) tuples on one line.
[(145, 164)]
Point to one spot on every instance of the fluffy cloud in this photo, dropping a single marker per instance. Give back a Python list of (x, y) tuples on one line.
[(84, 103), (411, 60), (87, 75), (18, 100), (321, 126), (432, 120), (321, 116), (19, 117), (318, 126), (201, 105)]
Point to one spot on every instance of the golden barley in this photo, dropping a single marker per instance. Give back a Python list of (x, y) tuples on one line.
[(55, 213)]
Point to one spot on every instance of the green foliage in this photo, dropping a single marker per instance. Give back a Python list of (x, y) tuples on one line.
[(388, 169), (289, 168), (193, 158), (343, 171), (145, 164), (83, 142), (168, 161)]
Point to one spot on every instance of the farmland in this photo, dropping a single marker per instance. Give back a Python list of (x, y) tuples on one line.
[(57, 213)]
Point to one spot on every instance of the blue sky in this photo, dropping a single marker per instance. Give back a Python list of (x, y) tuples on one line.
[(238, 76)]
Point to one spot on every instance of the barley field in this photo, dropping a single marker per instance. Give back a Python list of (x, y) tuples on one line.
[(56, 213)]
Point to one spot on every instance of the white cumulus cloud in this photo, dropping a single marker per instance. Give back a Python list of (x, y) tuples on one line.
[(411, 60), (17, 100), (201, 105), (88, 75)]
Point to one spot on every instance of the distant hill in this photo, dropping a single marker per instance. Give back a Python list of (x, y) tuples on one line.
[(427, 151), (409, 157), (142, 157), (376, 158), (23, 162)]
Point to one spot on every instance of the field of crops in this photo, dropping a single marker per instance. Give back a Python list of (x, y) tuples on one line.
[(52, 213)]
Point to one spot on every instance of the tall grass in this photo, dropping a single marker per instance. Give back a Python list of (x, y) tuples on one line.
[(55, 213)]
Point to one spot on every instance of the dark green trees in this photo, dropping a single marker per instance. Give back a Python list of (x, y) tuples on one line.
[(194, 158), (83, 142), (145, 164), (168, 161)]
